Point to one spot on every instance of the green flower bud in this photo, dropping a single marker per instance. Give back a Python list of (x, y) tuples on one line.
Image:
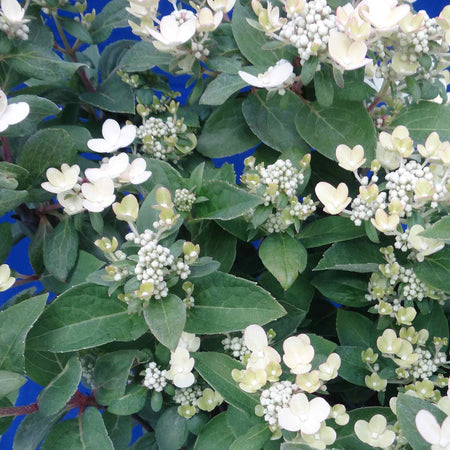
[(106, 245), (187, 411), (375, 382), (128, 209), (368, 356)]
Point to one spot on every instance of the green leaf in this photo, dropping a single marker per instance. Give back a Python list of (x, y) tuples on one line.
[(254, 439), (272, 119), (250, 41), (79, 135), (329, 230), (226, 201), (354, 256), (216, 431), (87, 433), (15, 323), (221, 88), (40, 108), (407, 409), (355, 89), (352, 369), (309, 70), (145, 442), (324, 128), (33, 429), (61, 249), (284, 257), (226, 133), (10, 382), (119, 430), (225, 303), (217, 243), (84, 317), (171, 431), (346, 438), (324, 86), (113, 95), (10, 199), (439, 230), (76, 29), (132, 402), (354, 329), (12, 175), (42, 367), (166, 319), (435, 321), (435, 270), (163, 174), (215, 369), (143, 56), (240, 422), (85, 265), (423, 118), (112, 16), (50, 147), (55, 396), (322, 348), (111, 373), (345, 288)]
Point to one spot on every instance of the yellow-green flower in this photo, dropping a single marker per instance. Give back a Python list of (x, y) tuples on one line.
[(209, 400), (375, 382), (127, 209)]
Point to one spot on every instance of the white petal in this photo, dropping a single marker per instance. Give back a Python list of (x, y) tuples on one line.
[(250, 79), (281, 72), (16, 112), (94, 174), (12, 10), (100, 146), (186, 31), (183, 380), (111, 132), (127, 135), (288, 421), (428, 426), (255, 337), (3, 102)]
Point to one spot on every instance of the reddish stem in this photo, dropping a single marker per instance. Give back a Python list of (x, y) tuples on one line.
[(373, 104), (26, 279), (6, 150), (19, 410)]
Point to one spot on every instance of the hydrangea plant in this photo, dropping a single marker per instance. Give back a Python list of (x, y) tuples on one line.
[(300, 303)]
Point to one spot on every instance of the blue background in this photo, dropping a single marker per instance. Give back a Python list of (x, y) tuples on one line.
[(18, 258)]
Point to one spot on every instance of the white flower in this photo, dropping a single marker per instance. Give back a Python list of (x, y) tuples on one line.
[(189, 341), (135, 173), (298, 353), (273, 77), (384, 15), (350, 159), (207, 21), (114, 137), (181, 366), (112, 168), (13, 12), (329, 369), (71, 202), (221, 5), (432, 432), (374, 433), (98, 195), (6, 280), (171, 34), (385, 223), (334, 199), (13, 113), (61, 180), (348, 54), (389, 159), (303, 415), (425, 246), (255, 339)]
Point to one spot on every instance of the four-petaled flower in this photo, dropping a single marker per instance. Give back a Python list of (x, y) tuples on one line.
[(274, 77), (114, 138)]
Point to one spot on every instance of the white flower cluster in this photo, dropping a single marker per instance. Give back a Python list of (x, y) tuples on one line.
[(97, 193), (427, 363), (284, 404), (87, 370), (236, 346), (184, 199), (274, 399), (308, 29), (155, 378), (188, 396), (12, 20), (155, 262)]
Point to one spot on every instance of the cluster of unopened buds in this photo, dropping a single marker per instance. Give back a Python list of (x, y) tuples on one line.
[(417, 367), (285, 404), (164, 138), (279, 184), (189, 393), (95, 191), (146, 275)]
